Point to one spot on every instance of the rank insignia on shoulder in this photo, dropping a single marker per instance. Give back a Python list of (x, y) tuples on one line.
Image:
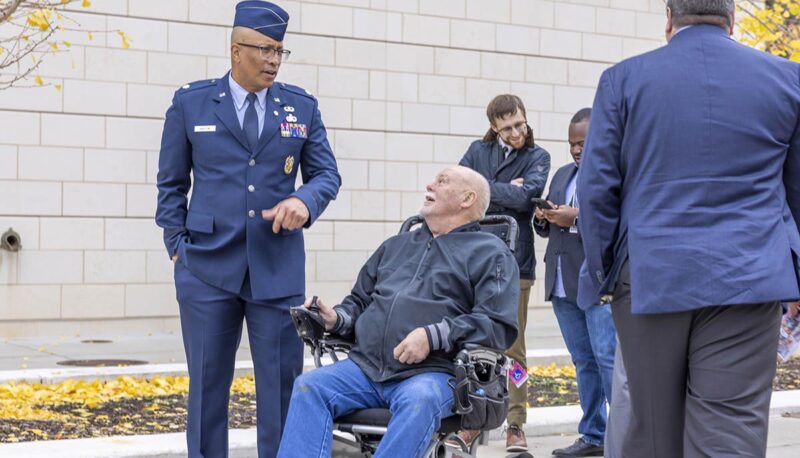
[(288, 165), (292, 130)]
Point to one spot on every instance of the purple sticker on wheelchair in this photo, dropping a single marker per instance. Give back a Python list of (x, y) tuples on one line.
[(517, 374)]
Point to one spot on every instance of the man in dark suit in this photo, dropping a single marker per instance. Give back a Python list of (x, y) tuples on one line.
[(588, 332), (690, 203), (238, 142), (516, 169)]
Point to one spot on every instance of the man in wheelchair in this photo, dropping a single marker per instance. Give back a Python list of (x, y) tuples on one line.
[(421, 297)]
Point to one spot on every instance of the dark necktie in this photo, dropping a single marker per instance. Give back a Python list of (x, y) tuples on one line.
[(251, 122)]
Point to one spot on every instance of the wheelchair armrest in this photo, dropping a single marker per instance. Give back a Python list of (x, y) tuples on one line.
[(311, 329), (472, 352), (329, 342)]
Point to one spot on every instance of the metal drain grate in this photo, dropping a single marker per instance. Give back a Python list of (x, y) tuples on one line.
[(101, 362)]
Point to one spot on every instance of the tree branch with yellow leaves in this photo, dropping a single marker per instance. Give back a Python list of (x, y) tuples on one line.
[(30, 32), (772, 26)]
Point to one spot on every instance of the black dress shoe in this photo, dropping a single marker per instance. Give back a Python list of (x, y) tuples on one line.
[(579, 448)]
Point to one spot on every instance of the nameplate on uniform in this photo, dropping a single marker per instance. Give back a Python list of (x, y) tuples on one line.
[(294, 130), (205, 128)]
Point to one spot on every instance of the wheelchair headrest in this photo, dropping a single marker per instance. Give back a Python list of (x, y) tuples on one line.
[(503, 226)]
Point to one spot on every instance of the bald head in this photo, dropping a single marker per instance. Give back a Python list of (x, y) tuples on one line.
[(475, 182), (456, 197)]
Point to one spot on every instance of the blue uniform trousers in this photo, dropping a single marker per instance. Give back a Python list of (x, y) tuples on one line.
[(211, 323)]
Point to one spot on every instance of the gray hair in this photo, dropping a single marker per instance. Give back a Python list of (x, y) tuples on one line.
[(691, 12)]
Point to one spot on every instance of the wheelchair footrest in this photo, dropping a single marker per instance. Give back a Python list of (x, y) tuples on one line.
[(381, 417)]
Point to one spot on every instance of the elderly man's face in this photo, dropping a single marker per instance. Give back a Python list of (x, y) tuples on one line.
[(255, 71), (444, 195)]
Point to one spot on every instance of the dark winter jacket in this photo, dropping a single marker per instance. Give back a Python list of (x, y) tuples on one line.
[(532, 164), (462, 287)]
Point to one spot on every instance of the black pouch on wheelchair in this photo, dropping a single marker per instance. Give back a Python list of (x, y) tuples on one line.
[(481, 391)]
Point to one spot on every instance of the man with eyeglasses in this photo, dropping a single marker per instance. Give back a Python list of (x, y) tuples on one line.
[(588, 332), (237, 143), (516, 169)]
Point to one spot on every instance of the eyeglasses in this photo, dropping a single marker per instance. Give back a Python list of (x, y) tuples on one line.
[(521, 127), (268, 52)]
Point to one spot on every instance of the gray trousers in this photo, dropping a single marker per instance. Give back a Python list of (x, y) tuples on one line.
[(700, 381), (619, 415)]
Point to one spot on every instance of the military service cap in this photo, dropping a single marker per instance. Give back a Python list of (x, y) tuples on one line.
[(264, 17)]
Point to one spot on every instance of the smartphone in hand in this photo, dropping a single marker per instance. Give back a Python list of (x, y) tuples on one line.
[(541, 204)]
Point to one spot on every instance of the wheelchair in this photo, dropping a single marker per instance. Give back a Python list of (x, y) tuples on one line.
[(476, 368)]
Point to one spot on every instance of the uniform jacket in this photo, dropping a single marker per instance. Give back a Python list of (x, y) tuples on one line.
[(692, 171), (530, 163), (562, 243), (462, 287), (220, 234)]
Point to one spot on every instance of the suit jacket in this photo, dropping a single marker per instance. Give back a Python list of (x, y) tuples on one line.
[(532, 164), (562, 243), (692, 170), (221, 235)]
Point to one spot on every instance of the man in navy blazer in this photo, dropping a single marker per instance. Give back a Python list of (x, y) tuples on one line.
[(690, 202), (588, 333), (237, 142)]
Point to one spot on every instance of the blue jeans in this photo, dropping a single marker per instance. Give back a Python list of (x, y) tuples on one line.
[(417, 403), (590, 337)]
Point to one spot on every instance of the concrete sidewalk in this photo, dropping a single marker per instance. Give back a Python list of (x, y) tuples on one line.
[(783, 442), (36, 360), (543, 339)]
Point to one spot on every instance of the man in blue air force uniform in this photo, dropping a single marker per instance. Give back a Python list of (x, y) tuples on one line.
[(238, 248)]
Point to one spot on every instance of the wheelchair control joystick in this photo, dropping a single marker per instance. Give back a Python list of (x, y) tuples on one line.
[(308, 322), (314, 308)]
